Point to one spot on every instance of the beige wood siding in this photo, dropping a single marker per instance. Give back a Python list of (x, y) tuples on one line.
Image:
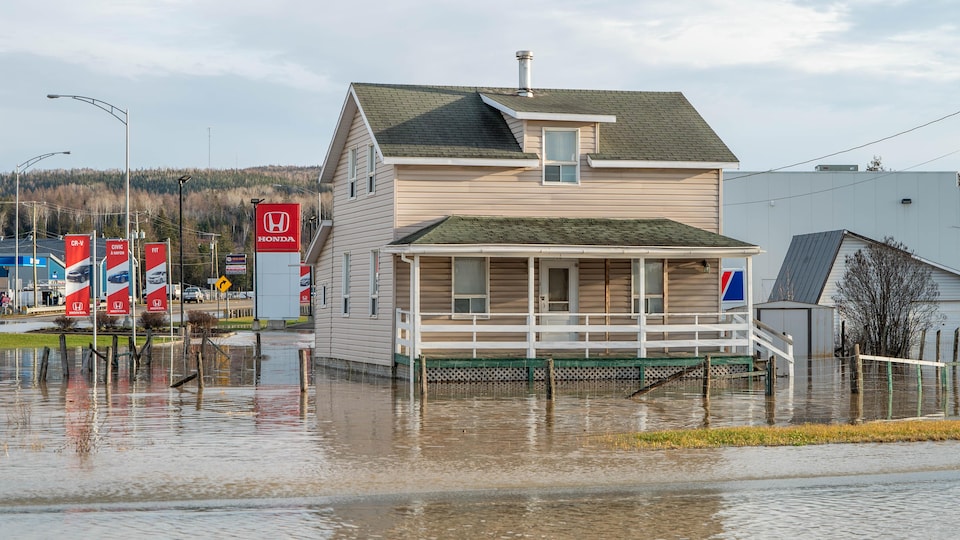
[(361, 225), (517, 127), (425, 194), (690, 290)]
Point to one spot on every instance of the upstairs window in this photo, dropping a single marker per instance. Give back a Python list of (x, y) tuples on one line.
[(561, 156), (652, 287), (371, 169), (469, 285), (352, 174)]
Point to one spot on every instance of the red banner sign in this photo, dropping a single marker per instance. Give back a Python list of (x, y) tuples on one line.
[(304, 284), (77, 260), (118, 278), (278, 228), (156, 276)]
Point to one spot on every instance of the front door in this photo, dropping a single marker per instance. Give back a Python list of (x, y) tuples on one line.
[(558, 297)]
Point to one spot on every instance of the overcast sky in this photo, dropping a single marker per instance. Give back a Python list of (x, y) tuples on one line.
[(240, 83)]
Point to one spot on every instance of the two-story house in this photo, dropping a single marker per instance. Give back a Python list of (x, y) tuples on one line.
[(487, 226)]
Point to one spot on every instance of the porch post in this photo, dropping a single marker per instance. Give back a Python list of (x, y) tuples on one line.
[(641, 311), (531, 305), (748, 278), (414, 316)]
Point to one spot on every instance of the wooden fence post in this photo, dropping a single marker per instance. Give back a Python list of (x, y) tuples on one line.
[(423, 377), (200, 368), (706, 376), (304, 370), (857, 382), (44, 363), (551, 379), (64, 363)]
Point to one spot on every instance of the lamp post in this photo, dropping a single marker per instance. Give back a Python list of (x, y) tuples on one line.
[(182, 180), (16, 228), (123, 115), (256, 295)]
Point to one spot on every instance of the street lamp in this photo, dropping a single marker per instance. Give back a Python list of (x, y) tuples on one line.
[(256, 295), (123, 115), (182, 180), (16, 229)]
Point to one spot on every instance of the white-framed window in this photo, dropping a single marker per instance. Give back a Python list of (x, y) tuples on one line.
[(374, 282), (470, 285), (371, 169), (345, 286), (561, 156), (323, 295), (652, 287), (352, 174)]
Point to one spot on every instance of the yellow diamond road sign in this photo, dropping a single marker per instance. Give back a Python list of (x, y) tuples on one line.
[(223, 284)]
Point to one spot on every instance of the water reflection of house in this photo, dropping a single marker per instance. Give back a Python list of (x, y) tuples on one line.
[(486, 224)]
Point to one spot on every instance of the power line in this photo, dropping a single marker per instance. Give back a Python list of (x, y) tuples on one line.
[(864, 145)]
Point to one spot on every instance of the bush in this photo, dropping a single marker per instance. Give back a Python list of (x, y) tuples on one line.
[(105, 322), (65, 323), (201, 320), (152, 320)]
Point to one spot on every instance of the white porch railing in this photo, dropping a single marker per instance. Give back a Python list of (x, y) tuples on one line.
[(479, 334), (774, 343)]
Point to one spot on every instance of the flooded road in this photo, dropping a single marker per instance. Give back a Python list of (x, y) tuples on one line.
[(249, 456)]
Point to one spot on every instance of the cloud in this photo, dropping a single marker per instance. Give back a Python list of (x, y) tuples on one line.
[(793, 36), (147, 39)]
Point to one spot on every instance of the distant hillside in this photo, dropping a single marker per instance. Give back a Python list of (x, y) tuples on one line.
[(216, 205)]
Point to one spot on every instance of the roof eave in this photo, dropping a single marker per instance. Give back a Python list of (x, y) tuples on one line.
[(555, 117), (654, 164), (319, 240), (584, 252), (464, 162)]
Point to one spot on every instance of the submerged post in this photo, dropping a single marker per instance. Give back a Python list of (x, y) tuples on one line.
[(64, 363), (551, 379), (771, 379), (423, 377), (44, 362), (857, 382), (706, 376), (304, 371), (200, 368)]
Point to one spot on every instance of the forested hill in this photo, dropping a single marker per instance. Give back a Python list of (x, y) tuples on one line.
[(216, 205)]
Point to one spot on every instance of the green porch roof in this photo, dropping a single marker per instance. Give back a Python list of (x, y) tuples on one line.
[(642, 233)]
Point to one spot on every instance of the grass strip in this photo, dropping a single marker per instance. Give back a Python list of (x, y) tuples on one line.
[(799, 435)]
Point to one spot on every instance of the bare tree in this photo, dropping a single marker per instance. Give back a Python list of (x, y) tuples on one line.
[(887, 297)]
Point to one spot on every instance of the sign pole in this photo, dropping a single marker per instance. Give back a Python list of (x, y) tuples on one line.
[(96, 302)]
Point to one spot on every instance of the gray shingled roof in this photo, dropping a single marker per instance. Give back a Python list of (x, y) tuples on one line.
[(453, 122), (483, 230), (806, 267)]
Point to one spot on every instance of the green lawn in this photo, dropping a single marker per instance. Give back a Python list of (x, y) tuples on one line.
[(800, 435)]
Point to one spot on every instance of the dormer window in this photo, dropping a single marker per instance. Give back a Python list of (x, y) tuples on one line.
[(561, 156)]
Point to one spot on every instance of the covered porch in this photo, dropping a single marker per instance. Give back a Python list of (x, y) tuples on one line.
[(591, 292)]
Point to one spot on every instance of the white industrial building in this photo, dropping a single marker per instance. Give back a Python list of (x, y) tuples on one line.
[(919, 209)]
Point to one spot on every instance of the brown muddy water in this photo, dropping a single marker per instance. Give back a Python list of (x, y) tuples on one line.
[(250, 457)]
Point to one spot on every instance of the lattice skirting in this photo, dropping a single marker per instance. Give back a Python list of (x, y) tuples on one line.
[(598, 373)]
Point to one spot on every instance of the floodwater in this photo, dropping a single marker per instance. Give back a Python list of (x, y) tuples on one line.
[(250, 457)]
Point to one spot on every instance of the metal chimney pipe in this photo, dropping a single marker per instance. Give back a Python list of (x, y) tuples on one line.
[(526, 87)]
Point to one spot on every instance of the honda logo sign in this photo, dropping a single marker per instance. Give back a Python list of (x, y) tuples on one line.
[(276, 222), (278, 227)]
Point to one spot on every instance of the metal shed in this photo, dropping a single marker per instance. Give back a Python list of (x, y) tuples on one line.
[(811, 326)]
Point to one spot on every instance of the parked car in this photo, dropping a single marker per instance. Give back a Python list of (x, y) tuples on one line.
[(79, 275), (193, 294), (122, 276)]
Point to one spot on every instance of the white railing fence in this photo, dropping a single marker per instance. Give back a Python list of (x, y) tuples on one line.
[(590, 333)]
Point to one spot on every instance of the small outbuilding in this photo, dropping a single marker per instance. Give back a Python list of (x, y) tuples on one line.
[(810, 325)]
